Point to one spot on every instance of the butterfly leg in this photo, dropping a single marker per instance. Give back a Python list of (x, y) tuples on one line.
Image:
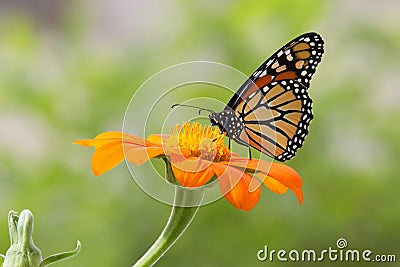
[(247, 144), (225, 127)]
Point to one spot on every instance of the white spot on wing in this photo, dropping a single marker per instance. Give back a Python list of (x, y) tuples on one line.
[(250, 96)]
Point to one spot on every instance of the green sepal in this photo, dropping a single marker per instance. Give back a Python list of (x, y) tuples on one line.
[(61, 256)]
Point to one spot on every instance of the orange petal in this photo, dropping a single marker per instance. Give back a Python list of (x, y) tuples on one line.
[(252, 164), (272, 184), (139, 155), (288, 177), (136, 140), (107, 157), (238, 187), (299, 194), (126, 138), (84, 142), (107, 137), (192, 179), (96, 143), (155, 138), (109, 152), (191, 172)]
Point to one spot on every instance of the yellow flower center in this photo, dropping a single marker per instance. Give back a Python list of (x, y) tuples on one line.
[(195, 140)]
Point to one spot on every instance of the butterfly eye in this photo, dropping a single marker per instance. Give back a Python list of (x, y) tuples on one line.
[(215, 122)]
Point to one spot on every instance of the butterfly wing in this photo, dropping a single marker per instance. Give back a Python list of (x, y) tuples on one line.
[(274, 104)]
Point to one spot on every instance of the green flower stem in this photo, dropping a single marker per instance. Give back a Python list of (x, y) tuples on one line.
[(186, 204)]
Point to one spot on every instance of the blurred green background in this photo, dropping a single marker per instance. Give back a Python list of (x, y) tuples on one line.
[(69, 68)]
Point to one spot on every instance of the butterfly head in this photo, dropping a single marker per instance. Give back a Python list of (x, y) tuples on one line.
[(216, 120)]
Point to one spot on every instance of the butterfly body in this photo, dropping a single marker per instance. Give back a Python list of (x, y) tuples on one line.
[(271, 111), (228, 122)]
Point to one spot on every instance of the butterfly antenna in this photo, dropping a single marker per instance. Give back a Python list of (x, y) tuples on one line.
[(190, 106)]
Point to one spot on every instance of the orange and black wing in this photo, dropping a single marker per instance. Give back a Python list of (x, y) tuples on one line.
[(274, 104)]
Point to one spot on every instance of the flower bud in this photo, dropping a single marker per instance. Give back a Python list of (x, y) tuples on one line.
[(23, 252)]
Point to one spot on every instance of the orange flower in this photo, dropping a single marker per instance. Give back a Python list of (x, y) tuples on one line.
[(197, 155)]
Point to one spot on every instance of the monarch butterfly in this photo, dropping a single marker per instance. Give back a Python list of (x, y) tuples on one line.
[(271, 111)]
